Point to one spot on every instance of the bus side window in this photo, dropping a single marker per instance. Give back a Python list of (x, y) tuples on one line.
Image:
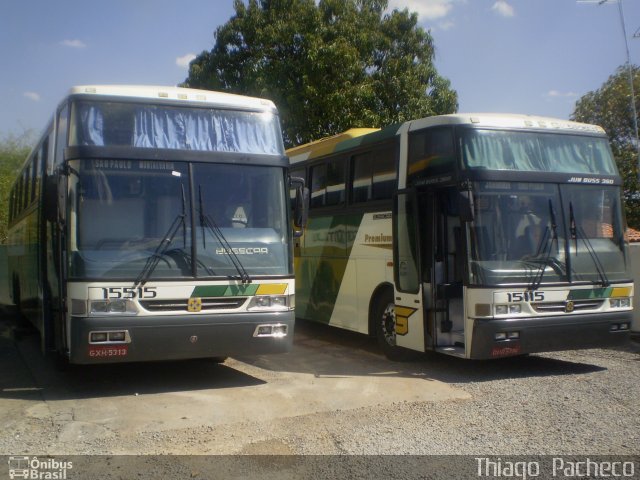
[(318, 185), (362, 182), (374, 174), (328, 183)]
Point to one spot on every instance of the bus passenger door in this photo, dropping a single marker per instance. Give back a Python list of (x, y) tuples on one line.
[(444, 272), (409, 313)]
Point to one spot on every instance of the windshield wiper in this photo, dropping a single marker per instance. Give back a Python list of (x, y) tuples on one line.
[(163, 246), (544, 248), (577, 231), (160, 251), (207, 222)]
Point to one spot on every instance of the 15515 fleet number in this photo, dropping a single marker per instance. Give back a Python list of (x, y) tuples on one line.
[(113, 293)]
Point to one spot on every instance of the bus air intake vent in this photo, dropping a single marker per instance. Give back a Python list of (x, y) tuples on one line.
[(182, 304), (561, 307)]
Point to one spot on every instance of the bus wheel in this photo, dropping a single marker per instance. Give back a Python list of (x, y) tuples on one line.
[(384, 319)]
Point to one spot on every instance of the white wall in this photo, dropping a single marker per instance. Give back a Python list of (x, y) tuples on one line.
[(635, 267)]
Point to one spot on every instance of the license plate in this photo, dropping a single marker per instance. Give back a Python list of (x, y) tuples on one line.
[(506, 351), (106, 351)]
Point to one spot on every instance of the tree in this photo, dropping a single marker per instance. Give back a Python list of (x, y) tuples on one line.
[(328, 66), (610, 107), (13, 153)]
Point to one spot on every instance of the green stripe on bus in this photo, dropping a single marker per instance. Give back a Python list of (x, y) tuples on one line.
[(225, 290), (322, 263), (585, 294)]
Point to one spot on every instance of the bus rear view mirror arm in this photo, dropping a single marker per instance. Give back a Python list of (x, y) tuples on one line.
[(465, 205), (301, 209)]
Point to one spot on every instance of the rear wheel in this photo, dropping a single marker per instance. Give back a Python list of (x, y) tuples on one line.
[(384, 319)]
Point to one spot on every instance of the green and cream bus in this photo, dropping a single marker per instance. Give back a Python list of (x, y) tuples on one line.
[(153, 223), (479, 236)]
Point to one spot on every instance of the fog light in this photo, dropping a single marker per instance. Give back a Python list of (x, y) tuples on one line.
[(97, 337), (271, 330), (614, 327), (624, 326), (279, 331), (513, 335), (263, 330), (500, 336), (116, 336)]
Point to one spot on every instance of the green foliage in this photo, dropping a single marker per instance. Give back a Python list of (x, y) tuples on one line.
[(610, 107), (328, 66), (13, 153)]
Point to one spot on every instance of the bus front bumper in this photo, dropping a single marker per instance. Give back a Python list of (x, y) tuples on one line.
[(179, 337), (547, 334)]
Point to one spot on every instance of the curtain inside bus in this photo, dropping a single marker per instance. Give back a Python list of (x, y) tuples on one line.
[(536, 152), (153, 126)]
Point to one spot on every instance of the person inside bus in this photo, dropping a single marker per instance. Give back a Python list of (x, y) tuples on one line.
[(529, 244)]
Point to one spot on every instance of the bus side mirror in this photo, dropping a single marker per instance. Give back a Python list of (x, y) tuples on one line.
[(301, 205), (50, 199), (465, 206)]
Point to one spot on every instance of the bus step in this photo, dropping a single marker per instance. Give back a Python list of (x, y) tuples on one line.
[(457, 337), (454, 350)]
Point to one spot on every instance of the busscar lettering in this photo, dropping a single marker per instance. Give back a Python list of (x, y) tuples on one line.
[(243, 251)]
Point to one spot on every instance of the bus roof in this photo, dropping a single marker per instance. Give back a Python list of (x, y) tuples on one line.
[(505, 120), (176, 94), (362, 136), (326, 145)]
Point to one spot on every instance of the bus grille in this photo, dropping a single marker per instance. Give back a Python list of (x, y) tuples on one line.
[(561, 307), (181, 305)]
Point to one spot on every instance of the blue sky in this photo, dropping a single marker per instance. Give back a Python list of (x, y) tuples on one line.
[(520, 56)]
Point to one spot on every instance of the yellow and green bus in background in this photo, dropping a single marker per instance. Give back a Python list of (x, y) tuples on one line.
[(475, 235)]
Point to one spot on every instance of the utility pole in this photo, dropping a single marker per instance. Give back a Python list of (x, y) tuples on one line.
[(634, 112)]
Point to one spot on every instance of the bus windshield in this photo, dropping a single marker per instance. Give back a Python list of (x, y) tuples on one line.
[(171, 127), (534, 233), (124, 212), (536, 152)]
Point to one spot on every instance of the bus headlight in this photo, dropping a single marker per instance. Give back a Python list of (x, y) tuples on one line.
[(112, 307), (513, 308), (620, 302), (270, 303)]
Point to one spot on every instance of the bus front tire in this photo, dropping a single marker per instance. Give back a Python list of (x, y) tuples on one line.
[(384, 320)]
